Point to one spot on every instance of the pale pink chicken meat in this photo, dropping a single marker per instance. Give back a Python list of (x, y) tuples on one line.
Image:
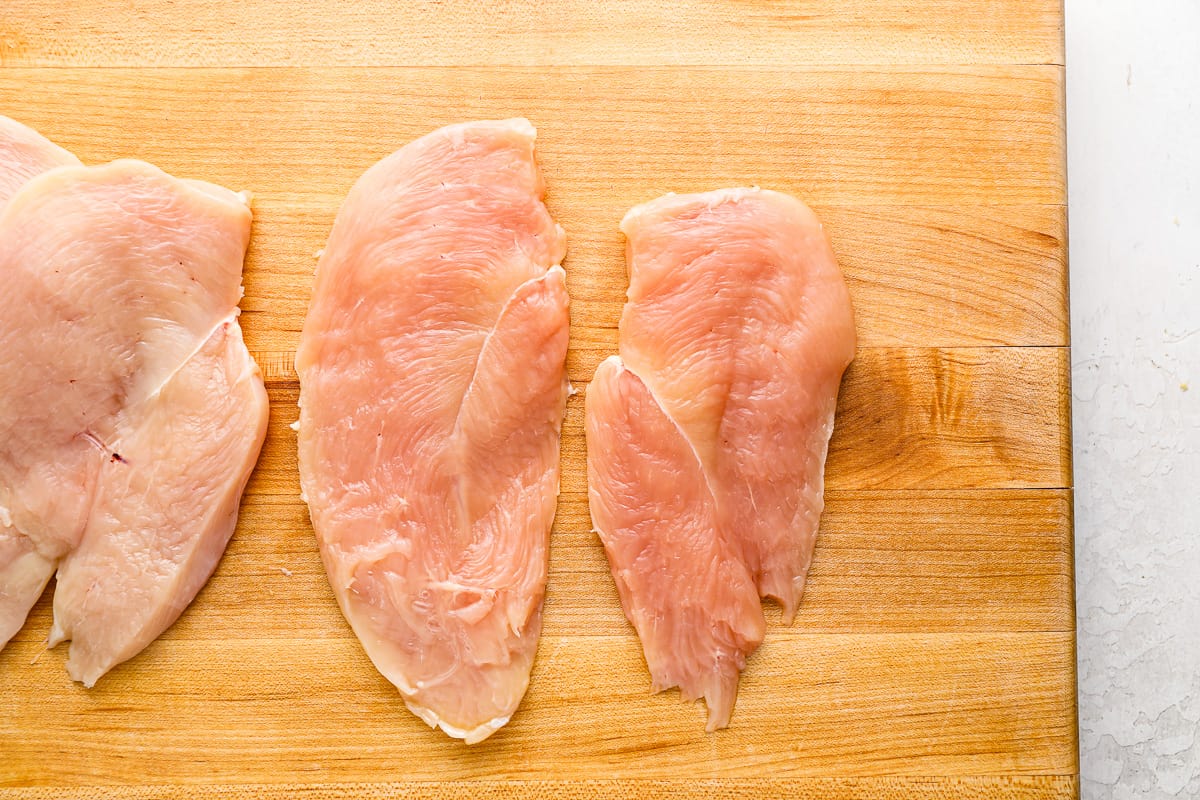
[(131, 413), (738, 328), (24, 572), (686, 591), (433, 386)]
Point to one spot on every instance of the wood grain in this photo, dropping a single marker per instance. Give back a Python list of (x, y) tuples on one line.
[(107, 33), (962, 418), (994, 273), (913, 704), (954, 277), (933, 275), (933, 655), (908, 418), (942, 277), (988, 787), (899, 136), (886, 561)]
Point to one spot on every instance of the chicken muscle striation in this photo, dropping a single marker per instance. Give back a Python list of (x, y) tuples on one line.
[(131, 413), (707, 437), (433, 388)]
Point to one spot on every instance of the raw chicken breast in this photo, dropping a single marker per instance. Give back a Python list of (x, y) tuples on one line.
[(433, 387), (165, 510), (24, 572), (682, 585), (131, 413), (735, 336)]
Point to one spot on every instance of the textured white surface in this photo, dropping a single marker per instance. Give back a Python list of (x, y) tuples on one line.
[(1133, 120)]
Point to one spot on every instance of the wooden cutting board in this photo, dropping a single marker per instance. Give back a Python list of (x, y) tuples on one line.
[(933, 656)]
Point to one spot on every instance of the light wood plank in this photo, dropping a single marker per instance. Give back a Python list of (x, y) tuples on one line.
[(938, 275), (263, 710), (107, 33), (957, 418), (908, 418), (983, 275), (896, 136), (954, 277), (885, 562), (986, 787)]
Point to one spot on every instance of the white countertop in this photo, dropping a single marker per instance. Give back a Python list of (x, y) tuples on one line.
[(1133, 120)]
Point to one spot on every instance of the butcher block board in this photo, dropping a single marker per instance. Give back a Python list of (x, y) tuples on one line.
[(933, 656)]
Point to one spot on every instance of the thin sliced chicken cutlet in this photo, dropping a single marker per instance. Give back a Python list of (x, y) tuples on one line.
[(739, 326), (131, 413), (433, 386), (164, 511), (686, 591)]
